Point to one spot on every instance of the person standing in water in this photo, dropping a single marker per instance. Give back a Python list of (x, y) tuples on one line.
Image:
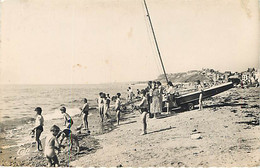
[(84, 113), (38, 129), (117, 107)]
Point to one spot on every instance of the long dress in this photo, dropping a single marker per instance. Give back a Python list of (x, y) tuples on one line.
[(160, 98), (155, 101)]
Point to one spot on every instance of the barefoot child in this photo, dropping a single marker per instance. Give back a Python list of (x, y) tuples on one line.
[(50, 145), (66, 133), (68, 120), (101, 105), (117, 107), (106, 106), (84, 113), (144, 111), (38, 129)]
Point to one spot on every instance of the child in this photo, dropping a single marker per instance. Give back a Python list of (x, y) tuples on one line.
[(50, 146), (66, 133), (108, 100), (68, 120), (38, 127), (117, 107), (144, 110), (84, 113), (106, 106), (101, 105)]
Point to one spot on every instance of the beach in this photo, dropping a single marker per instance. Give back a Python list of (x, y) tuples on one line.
[(225, 133)]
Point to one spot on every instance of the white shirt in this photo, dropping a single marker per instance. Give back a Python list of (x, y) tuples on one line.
[(170, 90)]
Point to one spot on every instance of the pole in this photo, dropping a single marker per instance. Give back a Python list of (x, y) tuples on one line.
[(155, 41)]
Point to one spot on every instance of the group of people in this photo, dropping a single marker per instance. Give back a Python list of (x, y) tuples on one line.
[(56, 137), (52, 143), (154, 97), (104, 106), (152, 102)]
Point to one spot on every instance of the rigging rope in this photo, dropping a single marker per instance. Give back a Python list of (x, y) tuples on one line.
[(151, 41)]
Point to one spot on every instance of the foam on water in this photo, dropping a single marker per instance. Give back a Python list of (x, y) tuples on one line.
[(56, 114)]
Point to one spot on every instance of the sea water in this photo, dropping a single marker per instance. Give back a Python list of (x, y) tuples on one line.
[(17, 104)]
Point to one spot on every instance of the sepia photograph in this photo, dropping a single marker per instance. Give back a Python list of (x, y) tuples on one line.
[(129, 83)]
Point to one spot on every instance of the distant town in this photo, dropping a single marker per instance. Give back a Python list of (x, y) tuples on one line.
[(250, 77)]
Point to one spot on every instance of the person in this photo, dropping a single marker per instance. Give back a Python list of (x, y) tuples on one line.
[(160, 88), (138, 93), (38, 129), (170, 93), (148, 90), (155, 105), (108, 100), (67, 133), (50, 145), (101, 105), (143, 106), (200, 88), (84, 113), (68, 122), (106, 106), (130, 94), (117, 107)]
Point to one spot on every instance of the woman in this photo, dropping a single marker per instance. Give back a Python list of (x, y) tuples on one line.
[(155, 101), (160, 95), (170, 93)]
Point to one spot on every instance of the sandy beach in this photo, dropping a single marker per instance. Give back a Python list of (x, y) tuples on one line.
[(225, 133), (216, 136)]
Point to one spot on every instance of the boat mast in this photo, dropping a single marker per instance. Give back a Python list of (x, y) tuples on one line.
[(155, 41)]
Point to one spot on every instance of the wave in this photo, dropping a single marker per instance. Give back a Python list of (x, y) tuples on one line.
[(56, 114)]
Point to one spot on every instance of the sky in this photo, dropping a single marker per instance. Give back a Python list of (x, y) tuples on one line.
[(103, 41)]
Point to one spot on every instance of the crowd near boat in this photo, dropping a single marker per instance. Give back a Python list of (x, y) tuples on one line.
[(148, 101)]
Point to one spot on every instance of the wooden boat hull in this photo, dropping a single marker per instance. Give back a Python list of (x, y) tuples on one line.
[(191, 99)]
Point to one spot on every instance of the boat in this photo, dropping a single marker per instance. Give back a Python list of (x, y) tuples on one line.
[(187, 101)]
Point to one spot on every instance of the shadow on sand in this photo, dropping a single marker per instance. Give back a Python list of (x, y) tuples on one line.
[(130, 122), (160, 130), (226, 104), (252, 123)]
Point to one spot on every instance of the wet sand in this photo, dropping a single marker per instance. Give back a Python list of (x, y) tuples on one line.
[(27, 155), (225, 133)]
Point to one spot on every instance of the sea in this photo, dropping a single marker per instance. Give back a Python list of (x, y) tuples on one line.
[(17, 104)]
